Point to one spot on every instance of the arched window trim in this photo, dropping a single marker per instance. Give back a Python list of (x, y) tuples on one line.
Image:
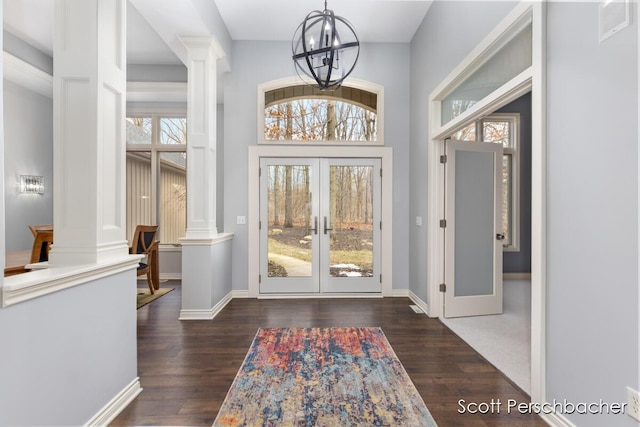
[(294, 81)]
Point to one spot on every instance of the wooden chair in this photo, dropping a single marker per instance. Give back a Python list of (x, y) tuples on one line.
[(35, 228), (144, 243), (41, 246)]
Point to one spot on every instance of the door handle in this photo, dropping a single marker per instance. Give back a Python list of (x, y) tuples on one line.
[(499, 236), (315, 225), (326, 228)]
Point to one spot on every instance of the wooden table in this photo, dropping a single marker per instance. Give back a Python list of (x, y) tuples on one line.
[(16, 261)]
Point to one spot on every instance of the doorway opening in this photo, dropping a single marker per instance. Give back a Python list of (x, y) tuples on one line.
[(320, 225), (450, 97)]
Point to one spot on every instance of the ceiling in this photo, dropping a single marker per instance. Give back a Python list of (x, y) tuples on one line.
[(274, 20)]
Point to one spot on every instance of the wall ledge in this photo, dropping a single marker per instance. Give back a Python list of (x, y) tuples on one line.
[(35, 284), (206, 241)]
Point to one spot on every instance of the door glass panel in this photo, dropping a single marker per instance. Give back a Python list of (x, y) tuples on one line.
[(351, 219), (289, 221), (474, 223)]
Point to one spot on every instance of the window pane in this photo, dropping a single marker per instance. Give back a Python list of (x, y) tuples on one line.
[(496, 131), (138, 191), (466, 134), (139, 130), (173, 197), (507, 63), (173, 130), (319, 120), (507, 199)]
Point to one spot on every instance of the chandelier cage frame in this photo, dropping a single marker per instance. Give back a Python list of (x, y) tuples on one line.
[(330, 47)]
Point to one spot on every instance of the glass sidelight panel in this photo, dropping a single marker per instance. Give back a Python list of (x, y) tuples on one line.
[(290, 224), (351, 239)]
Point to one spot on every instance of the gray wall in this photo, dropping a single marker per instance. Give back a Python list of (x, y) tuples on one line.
[(436, 49), (592, 217), (28, 135), (520, 261), (66, 355), (259, 62)]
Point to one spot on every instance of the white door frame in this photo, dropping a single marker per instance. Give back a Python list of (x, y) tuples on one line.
[(532, 79), (386, 213)]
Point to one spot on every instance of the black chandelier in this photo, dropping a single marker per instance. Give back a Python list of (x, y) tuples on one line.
[(325, 48)]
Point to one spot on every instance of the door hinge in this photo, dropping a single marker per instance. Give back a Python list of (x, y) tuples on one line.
[(259, 171), (380, 225), (443, 223), (381, 278), (380, 172), (259, 278), (443, 287), (443, 158), (259, 225)]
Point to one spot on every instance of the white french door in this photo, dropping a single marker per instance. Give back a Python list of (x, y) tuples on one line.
[(473, 229), (319, 225)]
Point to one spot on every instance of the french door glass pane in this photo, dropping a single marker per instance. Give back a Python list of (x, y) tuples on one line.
[(289, 221), (351, 213), (173, 197)]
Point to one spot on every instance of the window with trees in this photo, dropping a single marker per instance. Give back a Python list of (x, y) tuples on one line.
[(156, 175), (502, 129), (303, 113)]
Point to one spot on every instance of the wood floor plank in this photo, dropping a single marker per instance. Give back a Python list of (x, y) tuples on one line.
[(187, 367)]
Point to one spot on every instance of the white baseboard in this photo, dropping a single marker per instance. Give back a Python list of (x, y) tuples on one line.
[(206, 314), (399, 293), (240, 294), (418, 301), (111, 410), (557, 420), (318, 296), (170, 276)]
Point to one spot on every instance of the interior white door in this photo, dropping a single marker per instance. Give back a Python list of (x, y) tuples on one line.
[(319, 225), (473, 230)]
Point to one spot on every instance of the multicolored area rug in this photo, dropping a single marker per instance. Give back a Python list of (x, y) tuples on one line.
[(322, 377)]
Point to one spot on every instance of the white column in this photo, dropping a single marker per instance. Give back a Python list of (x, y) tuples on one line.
[(89, 90), (206, 255), (201, 134)]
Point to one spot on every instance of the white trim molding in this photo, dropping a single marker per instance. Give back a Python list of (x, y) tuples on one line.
[(26, 75), (206, 314), (116, 405), (419, 302), (25, 287)]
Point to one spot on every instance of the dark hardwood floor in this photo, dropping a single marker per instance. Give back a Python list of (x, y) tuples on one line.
[(186, 367)]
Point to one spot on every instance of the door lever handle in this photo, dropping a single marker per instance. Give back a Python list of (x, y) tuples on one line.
[(326, 228), (315, 225), (499, 236)]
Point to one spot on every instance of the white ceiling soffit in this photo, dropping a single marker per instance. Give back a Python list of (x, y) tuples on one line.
[(390, 21)]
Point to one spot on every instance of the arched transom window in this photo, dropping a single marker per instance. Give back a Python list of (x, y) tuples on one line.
[(303, 114)]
